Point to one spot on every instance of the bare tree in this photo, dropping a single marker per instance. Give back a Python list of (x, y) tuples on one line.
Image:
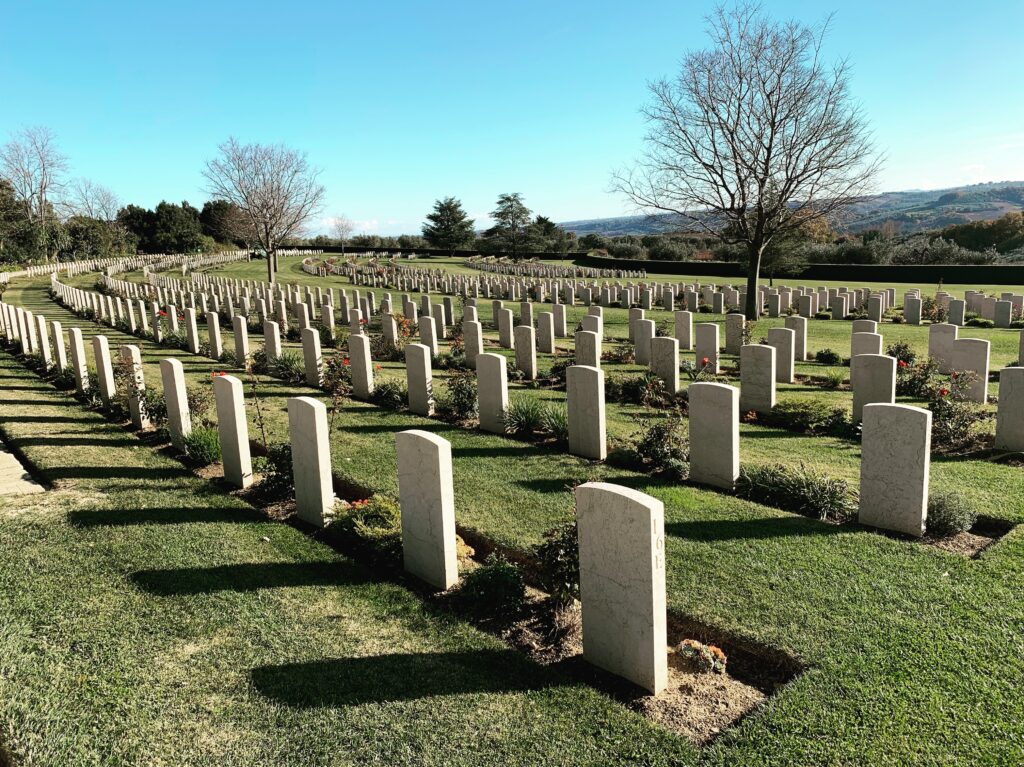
[(274, 186), (34, 167), (342, 226), (754, 137), (87, 198)]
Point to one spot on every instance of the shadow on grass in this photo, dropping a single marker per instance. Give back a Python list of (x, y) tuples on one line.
[(30, 402), (369, 429), (116, 472), (48, 418), (751, 529), (161, 516), (402, 676), (497, 451), (64, 441), (643, 482), (552, 485), (771, 432), (248, 577)]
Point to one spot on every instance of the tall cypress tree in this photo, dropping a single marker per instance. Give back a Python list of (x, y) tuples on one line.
[(448, 227)]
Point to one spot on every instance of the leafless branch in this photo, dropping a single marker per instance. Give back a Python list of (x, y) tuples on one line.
[(274, 186), (754, 137)]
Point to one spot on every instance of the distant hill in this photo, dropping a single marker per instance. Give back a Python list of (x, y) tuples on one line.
[(912, 211)]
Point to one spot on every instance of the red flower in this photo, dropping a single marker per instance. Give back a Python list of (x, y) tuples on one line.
[(705, 361), (345, 361), (217, 373), (163, 313), (362, 322), (378, 367), (954, 376), (943, 392), (902, 363)]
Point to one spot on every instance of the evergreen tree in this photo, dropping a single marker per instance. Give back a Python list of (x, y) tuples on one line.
[(511, 225), (448, 227)]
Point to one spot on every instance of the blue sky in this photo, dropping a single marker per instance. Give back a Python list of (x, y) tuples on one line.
[(403, 102)]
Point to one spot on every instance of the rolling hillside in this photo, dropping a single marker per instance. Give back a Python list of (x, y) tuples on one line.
[(912, 211)]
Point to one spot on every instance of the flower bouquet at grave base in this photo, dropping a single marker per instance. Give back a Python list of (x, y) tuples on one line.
[(703, 658)]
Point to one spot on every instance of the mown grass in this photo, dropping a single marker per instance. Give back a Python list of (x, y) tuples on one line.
[(150, 618), (914, 653)]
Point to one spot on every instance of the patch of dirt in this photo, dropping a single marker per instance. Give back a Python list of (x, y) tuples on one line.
[(986, 532), (211, 471), (965, 544), (280, 510), (548, 635), (699, 706)]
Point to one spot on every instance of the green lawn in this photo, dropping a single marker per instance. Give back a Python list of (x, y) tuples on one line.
[(150, 618), (914, 654)]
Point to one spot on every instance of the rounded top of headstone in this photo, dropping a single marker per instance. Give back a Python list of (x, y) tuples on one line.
[(628, 493), (422, 437), (306, 402)]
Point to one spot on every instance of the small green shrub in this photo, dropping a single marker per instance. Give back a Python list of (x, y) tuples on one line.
[(384, 351), (823, 315), (558, 558), (202, 445), (91, 396), (337, 375), (621, 353), (979, 322), (155, 407), (555, 423), (390, 394), (932, 311), (495, 590), (920, 379), (459, 402), (451, 361), (955, 419), (258, 362), (798, 489), (289, 367), (809, 417), (376, 523), (827, 357), (902, 351), (833, 379), (644, 389), (278, 480), (556, 376), (64, 379), (949, 513), (524, 417), (175, 339), (663, 449)]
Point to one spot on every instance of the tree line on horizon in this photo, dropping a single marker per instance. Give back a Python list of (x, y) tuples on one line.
[(46, 217)]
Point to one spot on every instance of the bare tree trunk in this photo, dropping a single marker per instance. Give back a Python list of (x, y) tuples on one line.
[(270, 266), (752, 309)]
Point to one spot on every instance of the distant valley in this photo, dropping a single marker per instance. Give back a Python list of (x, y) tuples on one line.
[(911, 211)]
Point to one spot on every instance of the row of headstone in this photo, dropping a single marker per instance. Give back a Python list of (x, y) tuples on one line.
[(621, 556)]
